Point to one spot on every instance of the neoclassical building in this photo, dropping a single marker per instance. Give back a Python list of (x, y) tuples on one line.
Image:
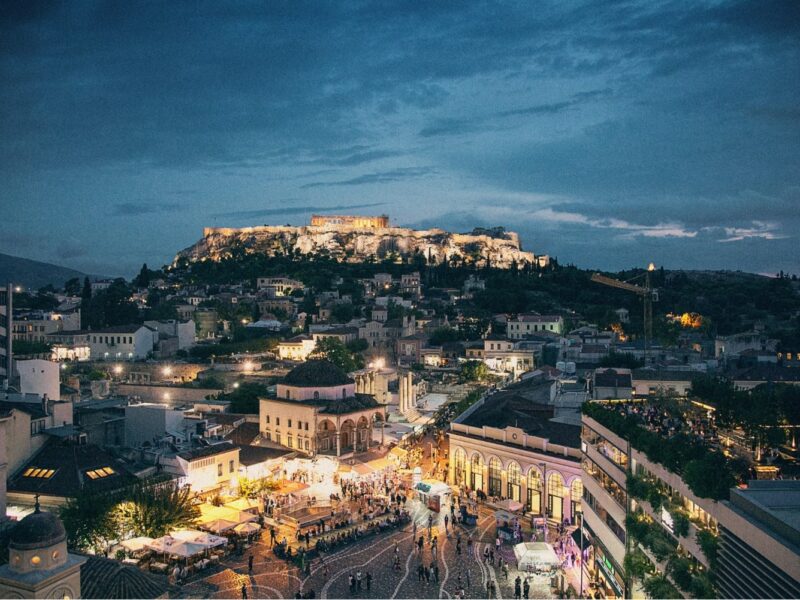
[(316, 410), (510, 447)]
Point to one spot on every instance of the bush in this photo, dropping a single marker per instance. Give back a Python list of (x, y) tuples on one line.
[(702, 587), (680, 569), (709, 544), (680, 524), (659, 586)]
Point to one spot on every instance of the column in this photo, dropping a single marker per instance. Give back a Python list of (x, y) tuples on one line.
[(383, 422), (338, 444)]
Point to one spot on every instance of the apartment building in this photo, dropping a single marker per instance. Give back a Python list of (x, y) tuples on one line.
[(750, 543)]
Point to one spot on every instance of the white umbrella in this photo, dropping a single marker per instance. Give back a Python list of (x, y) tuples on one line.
[(247, 528), (219, 525), (136, 544), (199, 537), (186, 549), (535, 555)]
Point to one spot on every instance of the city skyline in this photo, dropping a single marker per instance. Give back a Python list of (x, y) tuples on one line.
[(608, 136)]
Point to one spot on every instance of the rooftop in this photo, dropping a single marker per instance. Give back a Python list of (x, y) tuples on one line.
[(205, 451), (316, 373), (510, 409)]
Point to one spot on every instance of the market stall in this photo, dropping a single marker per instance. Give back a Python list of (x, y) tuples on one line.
[(536, 557), (434, 494)]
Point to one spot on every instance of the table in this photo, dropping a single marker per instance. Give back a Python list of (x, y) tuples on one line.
[(160, 567)]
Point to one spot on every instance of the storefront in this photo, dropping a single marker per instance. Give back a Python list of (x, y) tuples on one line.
[(605, 573)]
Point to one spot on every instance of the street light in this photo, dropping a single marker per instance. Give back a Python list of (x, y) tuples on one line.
[(235, 385), (167, 371), (117, 369)]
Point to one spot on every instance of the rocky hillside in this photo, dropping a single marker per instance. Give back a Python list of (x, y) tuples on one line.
[(501, 248)]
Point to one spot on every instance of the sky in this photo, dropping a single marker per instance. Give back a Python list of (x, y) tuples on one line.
[(608, 134)]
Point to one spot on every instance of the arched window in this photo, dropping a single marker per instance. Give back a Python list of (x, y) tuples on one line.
[(344, 392), (316, 395), (555, 496), (495, 477), (514, 479), (534, 500), (476, 472), (459, 466), (576, 494)]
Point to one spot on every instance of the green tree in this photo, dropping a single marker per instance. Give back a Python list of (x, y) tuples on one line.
[(335, 351), (154, 509), (89, 522), (244, 399), (474, 370), (142, 280), (72, 287)]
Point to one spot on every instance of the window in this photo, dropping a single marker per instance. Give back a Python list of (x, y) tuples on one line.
[(37, 426), (316, 395), (306, 445), (495, 477), (219, 469), (38, 472), (460, 459), (290, 423), (266, 419), (289, 440), (514, 478), (230, 466), (100, 473), (278, 421), (306, 425)]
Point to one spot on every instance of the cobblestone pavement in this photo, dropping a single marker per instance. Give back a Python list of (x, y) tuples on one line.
[(274, 578)]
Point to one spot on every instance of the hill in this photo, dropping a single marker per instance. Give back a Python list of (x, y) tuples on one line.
[(34, 274)]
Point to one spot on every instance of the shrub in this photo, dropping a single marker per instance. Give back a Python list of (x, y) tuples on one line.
[(709, 544), (680, 524), (659, 586), (680, 569)]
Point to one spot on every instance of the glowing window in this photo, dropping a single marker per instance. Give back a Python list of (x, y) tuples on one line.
[(38, 472), (100, 473)]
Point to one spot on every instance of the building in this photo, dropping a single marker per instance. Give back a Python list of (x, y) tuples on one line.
[(612, 384), (653, 382), (184, 331), (6, 335), (317, 410), (528, 324), (149, 423), (207, 322), (507, 356), (39, 565), (768, 565), (297, 348), (731, 346), (350, 221), (206, 468), (62, 469), (411, 284), (40, 377), (756, 531), (511, 446), (343, 334), (69, 345), (278, 287), (122, 342)]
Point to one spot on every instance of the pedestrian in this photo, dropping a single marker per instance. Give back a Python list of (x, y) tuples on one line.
[(244, 591), (325, 572), (272, 536), (526, 589), (458, 547), (358, 581), (250, 564), (420, 543), (369, 580), (517, 588), (469, 582), (420, 574), (414, 531), (352, 581), (446, 521), (436, 573), (427, 574), (491, 556)]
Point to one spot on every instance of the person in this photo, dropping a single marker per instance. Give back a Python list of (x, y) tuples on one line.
[(458, 547), (469, 581), (420, 543), (446, 522), (358, 580), (436, 573), (352, 582), (272, 536), (369, 580), (526, 588), (325, 572), (517, 588), (420, 574), (244, 591), (250, 564), (414, 530)]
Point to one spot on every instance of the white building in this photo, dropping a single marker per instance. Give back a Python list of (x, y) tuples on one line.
[(277, 287), (123, 342), (185, 331), (39, 377), (150, 422), (206, 468), (529, 324)]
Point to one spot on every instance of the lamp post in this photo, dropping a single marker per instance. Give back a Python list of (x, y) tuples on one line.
[(580, 563)]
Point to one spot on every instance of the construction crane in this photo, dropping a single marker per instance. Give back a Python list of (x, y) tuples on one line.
[(648, 294)]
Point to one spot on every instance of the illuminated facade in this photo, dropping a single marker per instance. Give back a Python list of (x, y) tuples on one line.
[(354, 221)]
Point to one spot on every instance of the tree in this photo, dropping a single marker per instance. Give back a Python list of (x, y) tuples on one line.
[(89, 521), (155, 509), (474, 370), (658, 586), (142, 280), (244, 399), (443, 335), (332, 349), (72, 287)]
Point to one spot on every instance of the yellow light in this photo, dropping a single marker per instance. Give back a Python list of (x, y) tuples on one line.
[(117, 369), (167, 371), (248, 365), (651, 267), (236, 385)]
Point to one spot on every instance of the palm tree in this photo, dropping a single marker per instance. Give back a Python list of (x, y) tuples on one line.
[(156, 509)]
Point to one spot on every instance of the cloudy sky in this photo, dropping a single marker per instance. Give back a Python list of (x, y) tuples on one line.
[(608, 134)]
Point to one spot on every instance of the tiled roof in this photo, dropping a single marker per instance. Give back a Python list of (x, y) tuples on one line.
[(106, 578)]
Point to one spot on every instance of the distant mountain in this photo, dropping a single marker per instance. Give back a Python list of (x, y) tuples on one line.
[(34, 274)]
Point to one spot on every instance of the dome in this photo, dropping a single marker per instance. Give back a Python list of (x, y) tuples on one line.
[(316, 373), (37, 530)]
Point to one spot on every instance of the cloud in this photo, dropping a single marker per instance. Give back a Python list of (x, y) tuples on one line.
[(292, 210), (765, 231), (372, 178), (136, 209), (660, 230)]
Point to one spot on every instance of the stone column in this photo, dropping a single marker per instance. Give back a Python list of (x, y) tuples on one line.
[(383, 422), (338, 443)]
